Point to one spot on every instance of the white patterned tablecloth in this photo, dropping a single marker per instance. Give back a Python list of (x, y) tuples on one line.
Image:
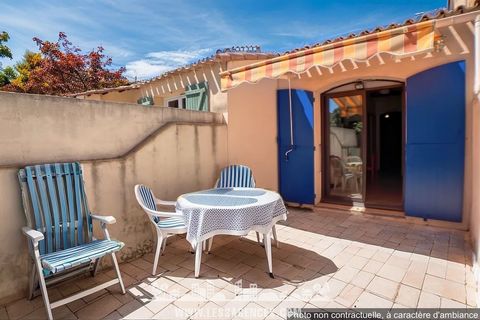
[(231, 211)]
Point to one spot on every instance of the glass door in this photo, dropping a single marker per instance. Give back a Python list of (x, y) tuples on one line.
[(344, 151)]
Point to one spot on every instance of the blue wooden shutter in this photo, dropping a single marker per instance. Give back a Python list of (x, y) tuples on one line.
[(196, 97), (435, 146), (296, 172)]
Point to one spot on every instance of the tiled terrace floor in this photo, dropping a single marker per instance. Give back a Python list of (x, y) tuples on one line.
[(325, 260)]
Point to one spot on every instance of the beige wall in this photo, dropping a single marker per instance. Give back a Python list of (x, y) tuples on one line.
[(475, 213), (173, 151), (127, 96), (253, 123), (44, 126)]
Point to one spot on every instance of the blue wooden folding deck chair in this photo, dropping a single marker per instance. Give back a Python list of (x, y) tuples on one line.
[(60, 230), (238, 176)]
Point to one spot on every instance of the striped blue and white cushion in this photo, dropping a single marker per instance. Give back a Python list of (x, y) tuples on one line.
[(147, 197), (171, 223), (72, 257), (236, 176)]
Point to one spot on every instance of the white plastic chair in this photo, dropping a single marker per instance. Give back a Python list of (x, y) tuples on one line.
[(165, 222), (238, 176)]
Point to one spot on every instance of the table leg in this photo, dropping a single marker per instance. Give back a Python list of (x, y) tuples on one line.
[(268, 250), (198, 258)]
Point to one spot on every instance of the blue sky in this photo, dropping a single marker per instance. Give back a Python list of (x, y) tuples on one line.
[(151, 37)]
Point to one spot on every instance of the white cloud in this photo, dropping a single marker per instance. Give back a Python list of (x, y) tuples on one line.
[(156, 63)]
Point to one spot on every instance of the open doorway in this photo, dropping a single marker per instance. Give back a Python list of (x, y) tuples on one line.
[(384, 169), (363, 145)]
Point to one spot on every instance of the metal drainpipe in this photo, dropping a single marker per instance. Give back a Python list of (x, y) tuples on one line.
[(476, 86)]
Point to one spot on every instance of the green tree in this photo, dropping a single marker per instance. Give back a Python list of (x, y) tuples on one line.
[(30, 61), (7, 75), (4, 50)]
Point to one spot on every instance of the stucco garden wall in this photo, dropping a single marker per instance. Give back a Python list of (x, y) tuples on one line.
[(119, 145)]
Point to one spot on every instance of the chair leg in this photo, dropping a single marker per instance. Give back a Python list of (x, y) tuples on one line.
[(274, 232), (33, 281), (210, 243), (198, 258), (43, 286), (268, 251), (95, 267), (157, 251), (164, 244), (119, 275)]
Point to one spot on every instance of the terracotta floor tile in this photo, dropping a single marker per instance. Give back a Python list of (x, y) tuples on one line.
[(99, 309), (392, 272), (437, 267), (372, 266), (445, 288), (346, 274), (447, 303), (369, 300), (327, 259), (171, 312), (428, 300), (348, 296), (383, 287), (407, 296), (362, 279)]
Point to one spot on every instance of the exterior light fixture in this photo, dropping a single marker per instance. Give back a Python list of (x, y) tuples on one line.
[(387, 116), (359, 85)]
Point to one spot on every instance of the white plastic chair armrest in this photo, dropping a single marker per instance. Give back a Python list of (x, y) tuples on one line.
[(165, 214), (165, 202), (104, 219), (34, 235)]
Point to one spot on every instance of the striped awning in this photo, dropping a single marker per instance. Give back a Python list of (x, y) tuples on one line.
[(403, 41)]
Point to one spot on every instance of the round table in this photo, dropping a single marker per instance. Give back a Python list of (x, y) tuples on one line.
[(230, 211)]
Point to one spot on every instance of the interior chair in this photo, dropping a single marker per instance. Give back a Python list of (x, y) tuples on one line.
[(340, 175)]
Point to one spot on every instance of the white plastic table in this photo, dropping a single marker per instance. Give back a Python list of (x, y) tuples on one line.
[(230, 211)]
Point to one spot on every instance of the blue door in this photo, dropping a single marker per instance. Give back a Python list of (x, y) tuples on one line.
[(435, 144), (295, 146)]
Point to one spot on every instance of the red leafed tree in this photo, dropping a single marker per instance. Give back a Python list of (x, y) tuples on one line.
[(64, 69)]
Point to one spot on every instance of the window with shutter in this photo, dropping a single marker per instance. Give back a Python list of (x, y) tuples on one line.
[(196, 96), (146, 101)]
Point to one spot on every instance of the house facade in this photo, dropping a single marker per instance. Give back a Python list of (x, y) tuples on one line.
[(383, 122), (193, 87)]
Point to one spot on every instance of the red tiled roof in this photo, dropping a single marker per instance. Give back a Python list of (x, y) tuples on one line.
[(221, 55)]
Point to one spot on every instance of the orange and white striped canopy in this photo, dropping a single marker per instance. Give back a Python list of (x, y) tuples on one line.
[(402, 41)]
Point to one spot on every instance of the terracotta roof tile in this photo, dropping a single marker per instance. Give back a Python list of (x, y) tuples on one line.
[(424, 16)]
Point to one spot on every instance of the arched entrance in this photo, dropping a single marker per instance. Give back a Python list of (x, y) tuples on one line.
[(363, 144)]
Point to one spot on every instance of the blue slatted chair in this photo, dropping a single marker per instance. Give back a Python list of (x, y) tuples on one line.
[(165, 222), (238, 176), (60, 230)]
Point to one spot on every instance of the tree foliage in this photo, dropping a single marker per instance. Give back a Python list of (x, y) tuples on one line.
[(4, 50), (7, 75), (18, 75), (60, 68)]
